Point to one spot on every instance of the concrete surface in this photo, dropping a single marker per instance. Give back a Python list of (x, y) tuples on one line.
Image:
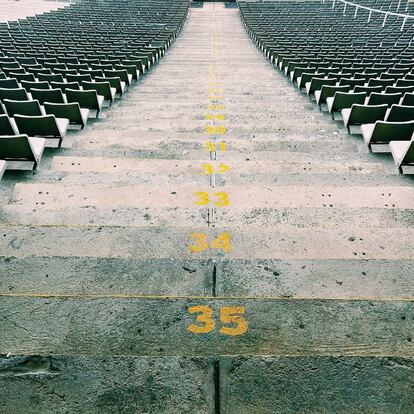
[(19, 9), (97, 279)]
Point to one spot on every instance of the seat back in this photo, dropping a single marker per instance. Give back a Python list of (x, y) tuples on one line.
[(48, 95), (408, 99), (17, 94), (102, 88), (65, 85), (384, 98), (401, 113), (30, 108), (329, 90), (34, 85), (16, 147), (86, 99), (393, 131), (9, 83), (54, 77), (347, 99), (69, 111), (366, 114), (6, 127), (79, 78), (44, 126)]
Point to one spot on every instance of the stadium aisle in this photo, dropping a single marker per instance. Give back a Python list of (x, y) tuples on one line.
[(13, 10), (213, 245)]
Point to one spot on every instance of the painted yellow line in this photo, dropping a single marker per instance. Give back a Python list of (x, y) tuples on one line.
[(92, 296)]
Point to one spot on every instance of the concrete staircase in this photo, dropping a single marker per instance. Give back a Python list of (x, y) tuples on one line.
[(302, 285)]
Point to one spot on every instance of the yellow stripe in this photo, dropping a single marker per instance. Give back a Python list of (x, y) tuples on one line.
[(164, 297)]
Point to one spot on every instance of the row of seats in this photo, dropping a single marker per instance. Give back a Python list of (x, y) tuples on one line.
[(358, 69), (61, 68)]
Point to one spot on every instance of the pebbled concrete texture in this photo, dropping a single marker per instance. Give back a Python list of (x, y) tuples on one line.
[(323, 385), (77, 384), (97, 278)]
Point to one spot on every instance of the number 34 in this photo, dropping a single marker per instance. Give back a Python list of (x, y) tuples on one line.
[(232, 316)]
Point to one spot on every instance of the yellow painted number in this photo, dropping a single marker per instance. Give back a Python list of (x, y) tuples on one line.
[(214, 146), (217, 130), (204, 318), (219, 117), (201, 243), (223, 242), (232, 316), (209, 169), (203, 199)]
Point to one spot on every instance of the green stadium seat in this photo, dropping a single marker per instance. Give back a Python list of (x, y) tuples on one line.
[(21, 152)]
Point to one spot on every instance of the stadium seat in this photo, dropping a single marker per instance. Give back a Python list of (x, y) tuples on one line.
[(46, 126), (71, 111), (2, 168), (29, 108), (34, 85), (7, 127), (362, 114), (400, 113), (383, 98), (17, 94), (383, 132), (403, 154), (342, 100), (86, 99), (10, 83), (102, 88), (48, 95), (21, 152)]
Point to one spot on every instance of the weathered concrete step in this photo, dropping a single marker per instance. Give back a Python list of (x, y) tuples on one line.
[(313, 279), (235, 166), (40, 213), (280, 242), (84, 385), (322, 385), (75, 275), (321, 217), (55, 196), (159, 327), (309, 124), (301, 279), (326, 384), (298, 179)]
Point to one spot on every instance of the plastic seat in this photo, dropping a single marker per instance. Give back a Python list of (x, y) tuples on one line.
[(71, 111), (383, 98), (21, 152), (48, 95), (115, 83), (34, 85), (86, 99), (29, 108), (46, 126), (363, 114), (17, 94), (403, 154), (2, 168), (6, 126), (383, 132), (10, 83), (343, 100), (400, 113), (102, 88)]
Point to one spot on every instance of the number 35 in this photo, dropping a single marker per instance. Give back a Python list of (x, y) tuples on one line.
[(229, 315)]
